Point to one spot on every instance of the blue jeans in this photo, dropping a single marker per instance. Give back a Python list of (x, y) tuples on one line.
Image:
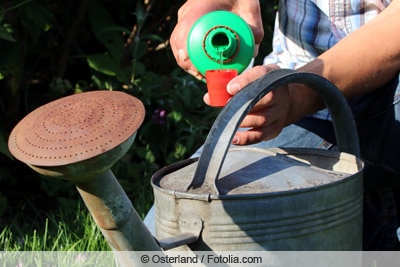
[(377, 116)]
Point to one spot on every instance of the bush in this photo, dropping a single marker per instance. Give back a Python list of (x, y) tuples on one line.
[(50, 49)]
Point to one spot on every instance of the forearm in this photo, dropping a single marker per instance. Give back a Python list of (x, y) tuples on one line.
[(361, 62)]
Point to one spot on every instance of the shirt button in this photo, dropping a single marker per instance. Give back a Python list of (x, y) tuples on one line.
[(340, 23)]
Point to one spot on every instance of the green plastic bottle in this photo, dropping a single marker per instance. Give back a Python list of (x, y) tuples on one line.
[(220, 40)]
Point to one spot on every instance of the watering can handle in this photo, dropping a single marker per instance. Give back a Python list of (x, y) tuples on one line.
[(228, 121)]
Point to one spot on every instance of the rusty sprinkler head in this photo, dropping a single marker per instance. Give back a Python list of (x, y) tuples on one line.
[(79, 136)]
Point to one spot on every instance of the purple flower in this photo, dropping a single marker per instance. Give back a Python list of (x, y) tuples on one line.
[(160, 116)]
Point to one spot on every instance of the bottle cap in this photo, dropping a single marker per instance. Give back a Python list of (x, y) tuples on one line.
[(216, 85)]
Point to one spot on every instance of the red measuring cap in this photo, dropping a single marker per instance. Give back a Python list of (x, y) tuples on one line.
[(216, 85)]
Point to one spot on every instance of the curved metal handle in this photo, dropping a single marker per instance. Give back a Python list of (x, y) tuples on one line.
[(228, 121)]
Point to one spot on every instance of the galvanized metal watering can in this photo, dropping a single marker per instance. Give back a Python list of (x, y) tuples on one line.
[(274, 199), (228, 199)]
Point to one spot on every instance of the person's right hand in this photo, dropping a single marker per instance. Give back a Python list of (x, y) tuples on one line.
[(192, 10)]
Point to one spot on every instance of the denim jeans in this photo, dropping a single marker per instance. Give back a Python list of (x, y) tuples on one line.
[(377, 115)]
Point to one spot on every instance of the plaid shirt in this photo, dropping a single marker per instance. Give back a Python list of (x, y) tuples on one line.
[(306, 28)]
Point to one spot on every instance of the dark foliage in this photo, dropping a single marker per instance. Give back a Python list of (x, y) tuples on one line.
[(50, 49)]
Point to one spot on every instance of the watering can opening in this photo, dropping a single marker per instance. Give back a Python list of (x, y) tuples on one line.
[(249, 170)]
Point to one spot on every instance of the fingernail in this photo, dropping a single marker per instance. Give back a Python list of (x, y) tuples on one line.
[(233, 88), (235, 140)]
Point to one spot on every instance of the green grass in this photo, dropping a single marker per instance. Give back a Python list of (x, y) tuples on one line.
[(72, 230)]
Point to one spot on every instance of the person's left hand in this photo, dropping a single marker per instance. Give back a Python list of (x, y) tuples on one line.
[(268, 117)]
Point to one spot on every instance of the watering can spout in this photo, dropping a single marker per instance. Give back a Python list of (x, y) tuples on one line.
[(75, 139), (114, 213)]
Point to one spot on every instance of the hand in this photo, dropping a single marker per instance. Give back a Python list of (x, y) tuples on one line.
[(192, 10), (274, 111)]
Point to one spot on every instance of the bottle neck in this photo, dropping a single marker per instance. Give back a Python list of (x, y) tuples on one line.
[(221, 44)]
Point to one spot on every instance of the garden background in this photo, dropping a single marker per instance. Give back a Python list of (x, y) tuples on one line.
[(50, 49)]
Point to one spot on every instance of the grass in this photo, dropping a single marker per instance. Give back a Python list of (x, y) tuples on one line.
[(59, 231), (67, 237), (61, 221)]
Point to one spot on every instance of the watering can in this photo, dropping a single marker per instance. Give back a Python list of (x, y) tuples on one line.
[(250, 199), (227, 199)]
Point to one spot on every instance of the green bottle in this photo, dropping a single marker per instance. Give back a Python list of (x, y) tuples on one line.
[(220, 40)]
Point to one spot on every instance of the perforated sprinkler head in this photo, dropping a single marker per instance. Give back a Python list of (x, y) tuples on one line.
[(79, 136)]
